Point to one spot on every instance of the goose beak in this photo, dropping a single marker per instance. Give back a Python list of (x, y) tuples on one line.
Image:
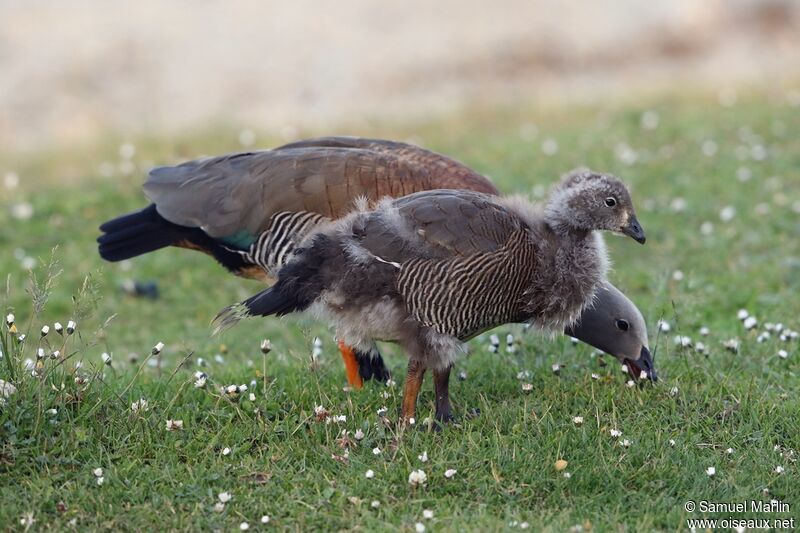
[(634, 230), (643, 364)]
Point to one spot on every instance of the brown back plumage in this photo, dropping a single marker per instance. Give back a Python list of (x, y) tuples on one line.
[(242, 192)]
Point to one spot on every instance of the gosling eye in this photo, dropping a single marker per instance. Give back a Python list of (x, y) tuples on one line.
[(611, 201), (622, 324)]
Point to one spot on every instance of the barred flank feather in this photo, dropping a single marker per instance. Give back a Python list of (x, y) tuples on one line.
[(274, 247), (465, 296)]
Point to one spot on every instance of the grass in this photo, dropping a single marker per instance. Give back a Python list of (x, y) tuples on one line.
[(285, 464)]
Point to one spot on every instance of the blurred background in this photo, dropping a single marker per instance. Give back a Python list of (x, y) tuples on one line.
[(71, 72)]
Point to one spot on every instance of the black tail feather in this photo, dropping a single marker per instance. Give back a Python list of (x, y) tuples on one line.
[(272, 301), (138, 233), (146, 231)]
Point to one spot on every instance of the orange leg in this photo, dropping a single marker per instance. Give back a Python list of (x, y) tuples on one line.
[(416, 371), (350, 365)]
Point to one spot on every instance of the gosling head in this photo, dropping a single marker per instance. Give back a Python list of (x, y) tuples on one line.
[(615, 325), (587, 201)]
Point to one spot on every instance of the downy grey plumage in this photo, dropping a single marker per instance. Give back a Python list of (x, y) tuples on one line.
[(436, 268)]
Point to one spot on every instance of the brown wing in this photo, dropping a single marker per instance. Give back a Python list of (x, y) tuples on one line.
[(241, 192)]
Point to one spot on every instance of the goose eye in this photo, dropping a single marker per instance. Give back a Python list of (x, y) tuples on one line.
[(622, 324), (611, 201)]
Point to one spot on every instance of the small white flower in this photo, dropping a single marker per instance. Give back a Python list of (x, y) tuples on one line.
[(427, 514), (244, 526), (106, 358), (577, 420), (225, 497), (419, 527), (779, 469), (417, 478), (595, 376), (673, 391), (6, 389), (390, 382), (742, 314), (524, 374), (265, 519), (450, 472), (10, 319), (672, 442), (643, 374), (219, 507), (677, 275), (157, 348), (40, 353), (556, 368), (566, 475), (45, 330), (615, 433), (232, 389), (226, 451), (55, 355), (369, 474), (704, 331), (382, 411), (625, 369), (527, 387), (59, 328), (625, 443), (139, 405), (52, 412), (630, 383), (375, 504), (729, 451), (266, 346), (200, 379), (71, 326), (727, 213), (524, 525), (376, 451), (174, 425), (711, 471), (731, 345), (701, 347), (358, 434), (98, 472), (100, 480), (783, 354), (423, 457), (750, 322), (664, 326)]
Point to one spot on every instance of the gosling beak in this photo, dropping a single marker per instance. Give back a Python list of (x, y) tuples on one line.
[(634, 230), (643, 364)]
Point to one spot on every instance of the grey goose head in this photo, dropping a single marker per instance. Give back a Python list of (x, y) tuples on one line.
[(613, 323), (585, 201)]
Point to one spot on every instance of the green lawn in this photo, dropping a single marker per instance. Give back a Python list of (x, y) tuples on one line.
[(688, 160)]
